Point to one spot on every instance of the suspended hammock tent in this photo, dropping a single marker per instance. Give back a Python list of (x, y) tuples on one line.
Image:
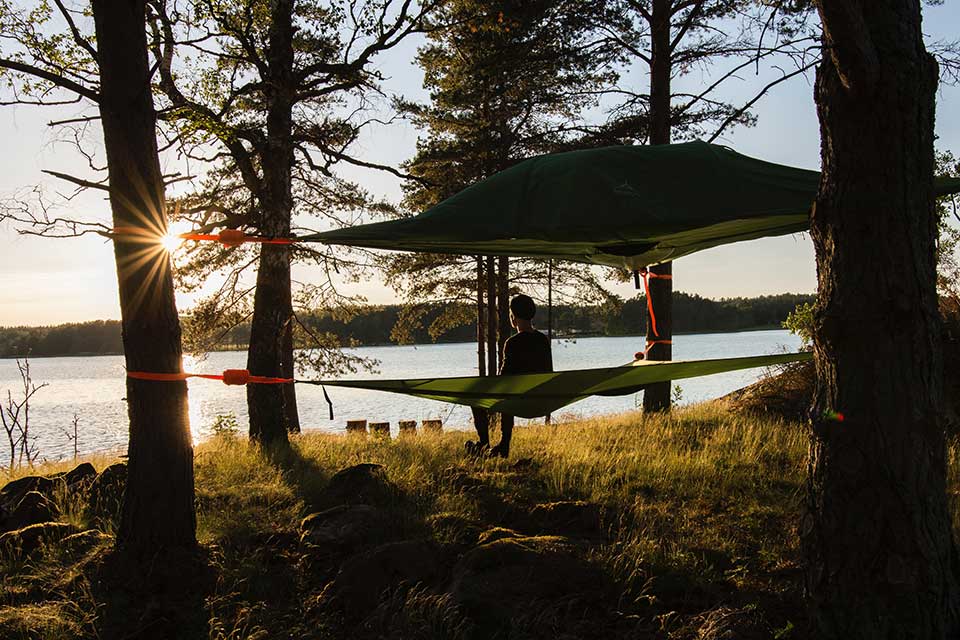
[(626, 206), (537, 394)]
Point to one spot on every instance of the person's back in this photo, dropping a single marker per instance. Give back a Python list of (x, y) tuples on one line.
[(527, 351)]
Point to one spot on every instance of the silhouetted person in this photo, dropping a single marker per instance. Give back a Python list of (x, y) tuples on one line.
[(527, 351)]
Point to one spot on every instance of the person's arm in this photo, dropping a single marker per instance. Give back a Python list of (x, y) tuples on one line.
[(506, 362), (549, 356)]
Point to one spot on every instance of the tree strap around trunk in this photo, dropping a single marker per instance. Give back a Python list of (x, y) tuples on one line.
[(645, 275)]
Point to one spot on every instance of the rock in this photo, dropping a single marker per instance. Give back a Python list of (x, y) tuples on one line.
[(503, 579), (497, 533), (105, 497), (345, 528), (14, 491), (363, 579), (84, 541), (728, 623), (33, 508), (25, 541), (360, 484), (453, 529), (82, 474), (573, 517)]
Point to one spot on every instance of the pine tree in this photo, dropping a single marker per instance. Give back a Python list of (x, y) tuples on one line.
[(508, 80)]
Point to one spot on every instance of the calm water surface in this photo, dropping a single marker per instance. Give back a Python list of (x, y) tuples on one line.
[(93, 387)]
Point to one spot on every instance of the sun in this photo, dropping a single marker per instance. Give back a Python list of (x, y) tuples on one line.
[(172, 240)]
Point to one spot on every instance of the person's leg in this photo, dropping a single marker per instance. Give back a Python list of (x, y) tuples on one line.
[(481, 422), (506, 432)]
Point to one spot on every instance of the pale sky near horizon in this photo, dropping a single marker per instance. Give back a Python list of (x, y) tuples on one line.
[(44, 281)]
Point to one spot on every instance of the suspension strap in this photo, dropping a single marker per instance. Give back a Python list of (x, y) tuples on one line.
[(644, 275), (642, 355), (234, 238), (233, 377)]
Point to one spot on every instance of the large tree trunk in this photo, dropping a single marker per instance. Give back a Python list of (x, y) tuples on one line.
[(492, 355), (158, 503), (881, 561), (272, 307), (656, 397), (504, 330), (290, 413), (481, 334)]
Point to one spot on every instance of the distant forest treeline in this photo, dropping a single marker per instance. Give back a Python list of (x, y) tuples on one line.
[(373, 325)]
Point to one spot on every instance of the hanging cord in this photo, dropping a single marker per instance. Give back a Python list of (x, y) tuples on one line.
[(644, 275)]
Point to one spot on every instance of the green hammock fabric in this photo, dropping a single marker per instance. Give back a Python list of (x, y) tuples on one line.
[(626, 207), (532, 395)]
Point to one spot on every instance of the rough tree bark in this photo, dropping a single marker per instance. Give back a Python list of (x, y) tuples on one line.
[(481, 333), (656, 397), (492, 355), (504, 330), (158, 503), (290, 412), (881, 561), (272, 305)]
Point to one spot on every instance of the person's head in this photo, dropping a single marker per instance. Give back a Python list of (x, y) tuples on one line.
[(522, 310)]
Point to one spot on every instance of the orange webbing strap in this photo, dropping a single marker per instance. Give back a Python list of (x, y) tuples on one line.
[(229, 377), (234, 238), (642, 355), (645, 276)]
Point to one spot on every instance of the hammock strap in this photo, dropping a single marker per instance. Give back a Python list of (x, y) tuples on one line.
[(645, 275), (229, 377)]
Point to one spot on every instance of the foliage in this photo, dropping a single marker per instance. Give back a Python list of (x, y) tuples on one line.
[(800, 323), (507, 80), (720, 39), (948, 239), (280, 125)]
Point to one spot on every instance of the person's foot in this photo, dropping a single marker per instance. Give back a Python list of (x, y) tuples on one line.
[(476, 448), (500, 451)]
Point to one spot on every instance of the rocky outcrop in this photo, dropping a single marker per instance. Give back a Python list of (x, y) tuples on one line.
[(570, 518), (33, 508), (25, 541), (344, 529), (506, 578), (360, 484), (105, 496), (364, 579)]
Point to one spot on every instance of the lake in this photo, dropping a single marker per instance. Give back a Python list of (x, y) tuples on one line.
[(93, 387)]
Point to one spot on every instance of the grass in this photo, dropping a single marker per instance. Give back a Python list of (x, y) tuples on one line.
[(699, 510)]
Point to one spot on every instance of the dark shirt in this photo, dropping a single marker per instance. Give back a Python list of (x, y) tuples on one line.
[(527, 352)]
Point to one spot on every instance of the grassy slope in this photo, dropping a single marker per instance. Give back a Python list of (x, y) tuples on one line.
[(701, 508)]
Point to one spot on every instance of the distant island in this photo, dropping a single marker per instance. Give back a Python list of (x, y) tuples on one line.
[(374, 325)]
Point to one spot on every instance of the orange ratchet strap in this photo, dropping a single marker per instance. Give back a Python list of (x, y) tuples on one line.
[(642, 355), (234, 238), (643, 274), (229, 377)]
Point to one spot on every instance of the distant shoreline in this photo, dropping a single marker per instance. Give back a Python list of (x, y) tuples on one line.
[(89, 354)]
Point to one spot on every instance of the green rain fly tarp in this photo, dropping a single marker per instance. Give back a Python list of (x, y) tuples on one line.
[(626, 207), (537, 394)]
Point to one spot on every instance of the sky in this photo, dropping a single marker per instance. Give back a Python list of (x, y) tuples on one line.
[(49, 281)]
